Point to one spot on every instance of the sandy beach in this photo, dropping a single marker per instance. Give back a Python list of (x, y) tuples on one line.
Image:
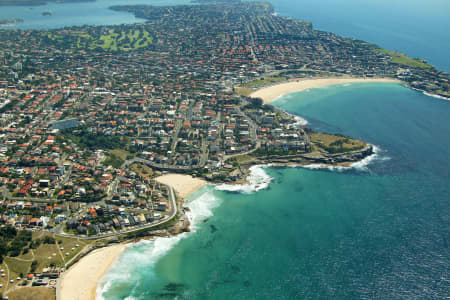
[(273, 92), (80, 281), (182, 184)]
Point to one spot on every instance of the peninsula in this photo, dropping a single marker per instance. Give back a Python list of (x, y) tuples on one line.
[(104, 130), (11, 21)]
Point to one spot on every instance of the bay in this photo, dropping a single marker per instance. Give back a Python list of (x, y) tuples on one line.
[(76, 14), (376, 231)]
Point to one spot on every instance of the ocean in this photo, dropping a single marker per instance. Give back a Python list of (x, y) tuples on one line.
[(377, 230), (417, 28)]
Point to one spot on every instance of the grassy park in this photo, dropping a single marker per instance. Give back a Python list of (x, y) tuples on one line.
[(335, 143), (112, 40), (402, 59)]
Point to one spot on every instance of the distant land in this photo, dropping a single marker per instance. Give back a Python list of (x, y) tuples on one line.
[(91, 116), (36, 2), (44, 2), (216, 1), (11, 21)]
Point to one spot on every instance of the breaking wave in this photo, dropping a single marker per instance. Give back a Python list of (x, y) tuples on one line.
[(362, 165), (257, 180), (299, 121), (201, 204), (148, 252)]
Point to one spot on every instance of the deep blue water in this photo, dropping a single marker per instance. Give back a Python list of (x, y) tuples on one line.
[(417, 28), (379, 231), (375, 232)]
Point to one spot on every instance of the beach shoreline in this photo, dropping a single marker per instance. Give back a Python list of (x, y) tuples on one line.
[(80, 282), (272, 92), (183, 184)]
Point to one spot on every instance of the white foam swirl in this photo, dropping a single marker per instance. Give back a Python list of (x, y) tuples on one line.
[(148, 252), (257, 180), (299, 121), (362, 165)]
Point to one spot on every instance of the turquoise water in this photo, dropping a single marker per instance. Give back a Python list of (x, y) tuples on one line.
[(76, 14), (375, 231)]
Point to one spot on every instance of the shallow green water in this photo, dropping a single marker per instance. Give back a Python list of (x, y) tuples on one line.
[(379, 231)]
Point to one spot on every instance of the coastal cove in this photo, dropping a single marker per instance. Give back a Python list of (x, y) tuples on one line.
[(358, 232), (152, 150)]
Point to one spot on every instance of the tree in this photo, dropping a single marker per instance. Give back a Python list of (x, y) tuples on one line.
[(258, 102), (33, 266)]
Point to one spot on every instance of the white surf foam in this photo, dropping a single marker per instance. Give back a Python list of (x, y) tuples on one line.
[(362, 165), (201, 208), (257, 180), (436, 96), (378, 155), (148, 252), (299, 121), (322, 167), (143, 253)]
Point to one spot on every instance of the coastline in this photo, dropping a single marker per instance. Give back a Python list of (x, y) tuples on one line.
[(183, 184), (275, 91), (80, 282)]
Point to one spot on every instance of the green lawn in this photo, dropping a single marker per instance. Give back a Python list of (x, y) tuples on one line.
[(243, 159), (243, 91), (46, 255), (141, 169), (33, 293), (16, 267), (264, 81), (335, 143), (113, 40), (402, 59), (68, 244)]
